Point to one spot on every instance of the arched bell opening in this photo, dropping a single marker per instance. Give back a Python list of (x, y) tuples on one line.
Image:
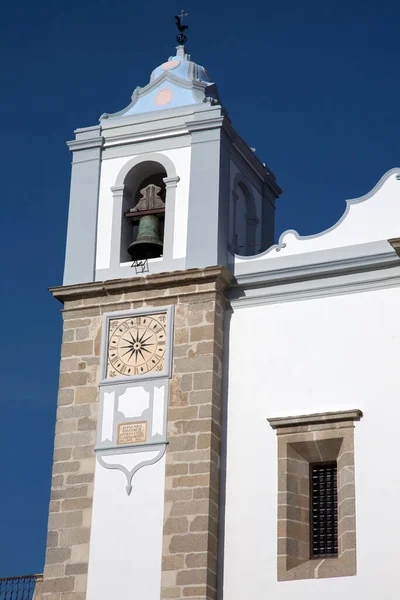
[(245, 221), (143, 214)]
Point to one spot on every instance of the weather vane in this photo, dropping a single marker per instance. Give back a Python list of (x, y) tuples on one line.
[(181, 38)]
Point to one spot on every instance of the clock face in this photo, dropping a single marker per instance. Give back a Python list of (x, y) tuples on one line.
[(136, 345)]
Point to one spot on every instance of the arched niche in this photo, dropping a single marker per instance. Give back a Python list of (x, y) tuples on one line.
[(135, 175), (244, 218), (140, 176)]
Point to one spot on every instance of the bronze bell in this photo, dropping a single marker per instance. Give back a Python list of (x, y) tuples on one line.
[(148, 243)]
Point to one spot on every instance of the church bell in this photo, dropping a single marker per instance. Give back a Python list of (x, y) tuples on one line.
[(148, 211), (148, 243)]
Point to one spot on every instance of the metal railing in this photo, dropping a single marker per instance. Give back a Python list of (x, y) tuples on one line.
[(21, 588)]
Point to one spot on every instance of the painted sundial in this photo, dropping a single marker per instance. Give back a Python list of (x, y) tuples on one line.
[(136, 345)]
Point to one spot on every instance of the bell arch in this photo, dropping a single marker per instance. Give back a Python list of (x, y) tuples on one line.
[(244, 218), (156, 157), (137, 173)]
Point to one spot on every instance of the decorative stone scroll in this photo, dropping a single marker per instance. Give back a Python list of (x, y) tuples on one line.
[(150, 199)]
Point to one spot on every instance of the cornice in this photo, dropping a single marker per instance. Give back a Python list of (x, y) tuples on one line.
[(330, 287), (152, 135), (316, 418), (150, 282), (187, 128), (205, 124), (325, 278), (147, 119), (340, 266), (164, 124), (85, 144)]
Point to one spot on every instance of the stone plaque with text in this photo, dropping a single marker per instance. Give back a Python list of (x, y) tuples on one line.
[(134, 432)]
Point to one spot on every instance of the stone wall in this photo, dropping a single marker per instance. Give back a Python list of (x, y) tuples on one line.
[(74, 460), (192, 476), (193, 453)]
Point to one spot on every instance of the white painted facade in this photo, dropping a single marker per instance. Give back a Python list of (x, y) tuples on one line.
[(126, 534), (317, 345)]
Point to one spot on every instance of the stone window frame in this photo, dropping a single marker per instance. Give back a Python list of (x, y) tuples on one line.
[(302, 440)]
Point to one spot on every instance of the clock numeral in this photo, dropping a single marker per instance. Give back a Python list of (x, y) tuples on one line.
[(123, 369)]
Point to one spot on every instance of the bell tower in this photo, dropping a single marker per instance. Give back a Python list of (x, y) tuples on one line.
[(218, 197), (163, 193)]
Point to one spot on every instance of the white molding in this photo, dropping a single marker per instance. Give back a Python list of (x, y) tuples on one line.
[(85, 144), (355, 273), (333, 288), (316, 269)]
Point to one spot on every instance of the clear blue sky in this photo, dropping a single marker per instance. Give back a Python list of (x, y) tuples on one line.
[(313, 86)]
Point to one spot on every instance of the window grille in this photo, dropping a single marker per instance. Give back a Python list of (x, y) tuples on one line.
[(324, 510)]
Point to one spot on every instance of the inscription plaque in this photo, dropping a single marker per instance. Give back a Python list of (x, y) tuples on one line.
[(134, 432)]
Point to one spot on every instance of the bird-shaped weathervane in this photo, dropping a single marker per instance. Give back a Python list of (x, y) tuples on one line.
[(181, 38)]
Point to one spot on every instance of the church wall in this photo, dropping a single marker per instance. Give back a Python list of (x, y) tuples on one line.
[(110, 170), (311, 356)]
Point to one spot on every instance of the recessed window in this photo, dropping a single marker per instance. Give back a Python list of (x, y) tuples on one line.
[(316, 495), (324, 510)]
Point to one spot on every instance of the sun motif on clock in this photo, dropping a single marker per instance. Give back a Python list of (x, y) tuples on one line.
[(136, 345)]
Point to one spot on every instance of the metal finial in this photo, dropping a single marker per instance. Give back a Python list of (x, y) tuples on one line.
[(181, 38)]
